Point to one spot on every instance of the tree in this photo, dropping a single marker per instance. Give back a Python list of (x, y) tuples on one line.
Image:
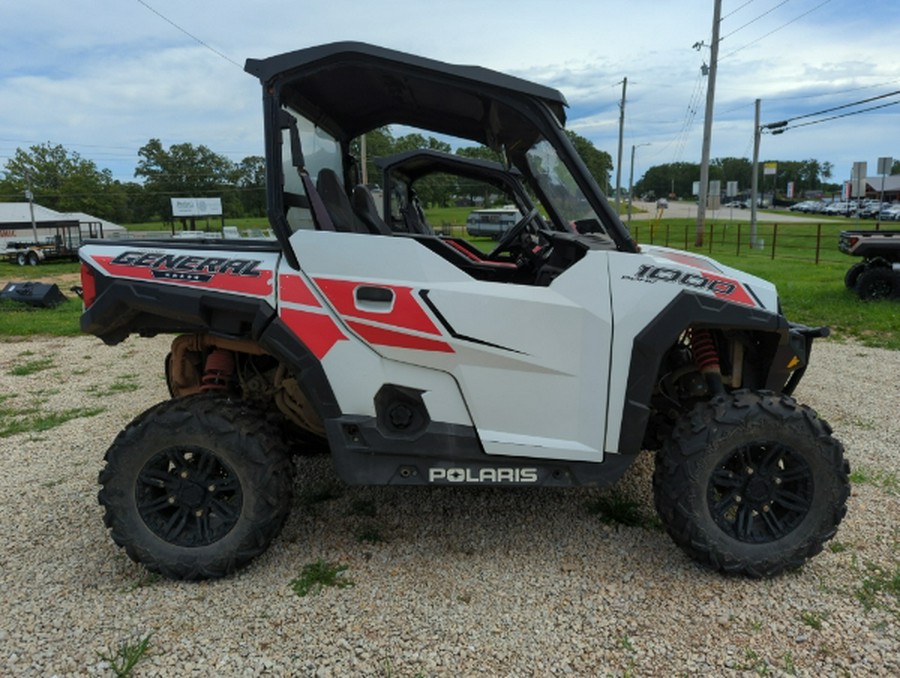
[(676, 178), (61, 180), (379, 143), (184, 170), (599, 163), (732, 169), (250, 183)]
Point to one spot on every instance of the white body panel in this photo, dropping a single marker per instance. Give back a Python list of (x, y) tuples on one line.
[(530, 362)]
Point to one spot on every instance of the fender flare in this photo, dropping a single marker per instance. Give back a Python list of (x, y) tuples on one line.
[(652, 343)]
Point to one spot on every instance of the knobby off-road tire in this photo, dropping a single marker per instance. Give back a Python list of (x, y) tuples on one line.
[(195, 488), (851, 277), (751, 483), (877, 282)]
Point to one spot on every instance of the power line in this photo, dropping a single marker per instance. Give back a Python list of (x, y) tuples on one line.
[(783, 123), (191, 35), (753, 21), (783, 26), (835, 117), (738, 9)]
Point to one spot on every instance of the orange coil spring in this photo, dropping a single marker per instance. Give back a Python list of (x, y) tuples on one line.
[(704, 348), (218, 370)]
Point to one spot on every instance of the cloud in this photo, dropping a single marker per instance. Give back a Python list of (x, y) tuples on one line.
[(105, 81)]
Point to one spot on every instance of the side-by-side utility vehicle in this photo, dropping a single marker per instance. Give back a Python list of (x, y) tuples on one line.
[(552, 360), (877, 276)]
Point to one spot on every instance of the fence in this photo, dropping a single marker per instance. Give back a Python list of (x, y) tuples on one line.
[(802, 241)]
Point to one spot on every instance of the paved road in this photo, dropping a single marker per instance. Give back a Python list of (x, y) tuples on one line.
[(682, 210)]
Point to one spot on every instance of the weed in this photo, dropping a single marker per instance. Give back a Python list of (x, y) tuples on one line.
[(615, 509), (123, 659), (146, 579), (838, 547), (124, 383), (878, 587), (32, 367), (626, 643), (812, 619), (756, 663), (789, 667), (370, 534), (316, 576), (885, 480)]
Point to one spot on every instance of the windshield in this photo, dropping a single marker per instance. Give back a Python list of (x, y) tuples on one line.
[(560, 188)]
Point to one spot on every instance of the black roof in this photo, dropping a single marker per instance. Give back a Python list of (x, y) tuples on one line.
[(349, 88), (422, 162)]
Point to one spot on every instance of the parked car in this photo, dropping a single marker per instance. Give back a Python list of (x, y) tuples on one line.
[(872, 209), (891, 213)]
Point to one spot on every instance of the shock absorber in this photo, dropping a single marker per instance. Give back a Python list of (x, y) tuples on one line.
[(218, 370), (706, 357)]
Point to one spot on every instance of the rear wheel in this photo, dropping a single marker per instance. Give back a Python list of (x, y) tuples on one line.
[(751, 483), (875, 283), (197, 487), (22, 258)]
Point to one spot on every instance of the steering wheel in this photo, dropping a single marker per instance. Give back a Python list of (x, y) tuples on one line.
[(510, 237)]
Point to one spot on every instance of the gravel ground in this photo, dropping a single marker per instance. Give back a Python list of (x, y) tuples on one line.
[(465, 581)]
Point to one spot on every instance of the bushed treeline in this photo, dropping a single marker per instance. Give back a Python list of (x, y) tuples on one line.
[(64, 181), (678, 177)]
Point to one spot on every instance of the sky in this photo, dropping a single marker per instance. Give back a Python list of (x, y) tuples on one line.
[(103, 77)]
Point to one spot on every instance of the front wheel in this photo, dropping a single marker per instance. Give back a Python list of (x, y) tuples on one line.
[(751, 483), (852, 275), (196, 487)]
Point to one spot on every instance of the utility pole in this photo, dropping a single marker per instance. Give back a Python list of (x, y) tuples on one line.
[(707, 122), (30, 195), (621, 131), (631, 182), (754, 180)]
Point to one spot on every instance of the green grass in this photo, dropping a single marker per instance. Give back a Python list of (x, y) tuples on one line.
[(880, 588), (316, 576), (21, 320), (31, 367), (884, 480), (14, 421), (215, 224)]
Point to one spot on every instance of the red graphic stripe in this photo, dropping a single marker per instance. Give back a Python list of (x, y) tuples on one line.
[(293, 289), (385, 337), (317, 331), (405, 313), (731, 290), (687, 260)]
